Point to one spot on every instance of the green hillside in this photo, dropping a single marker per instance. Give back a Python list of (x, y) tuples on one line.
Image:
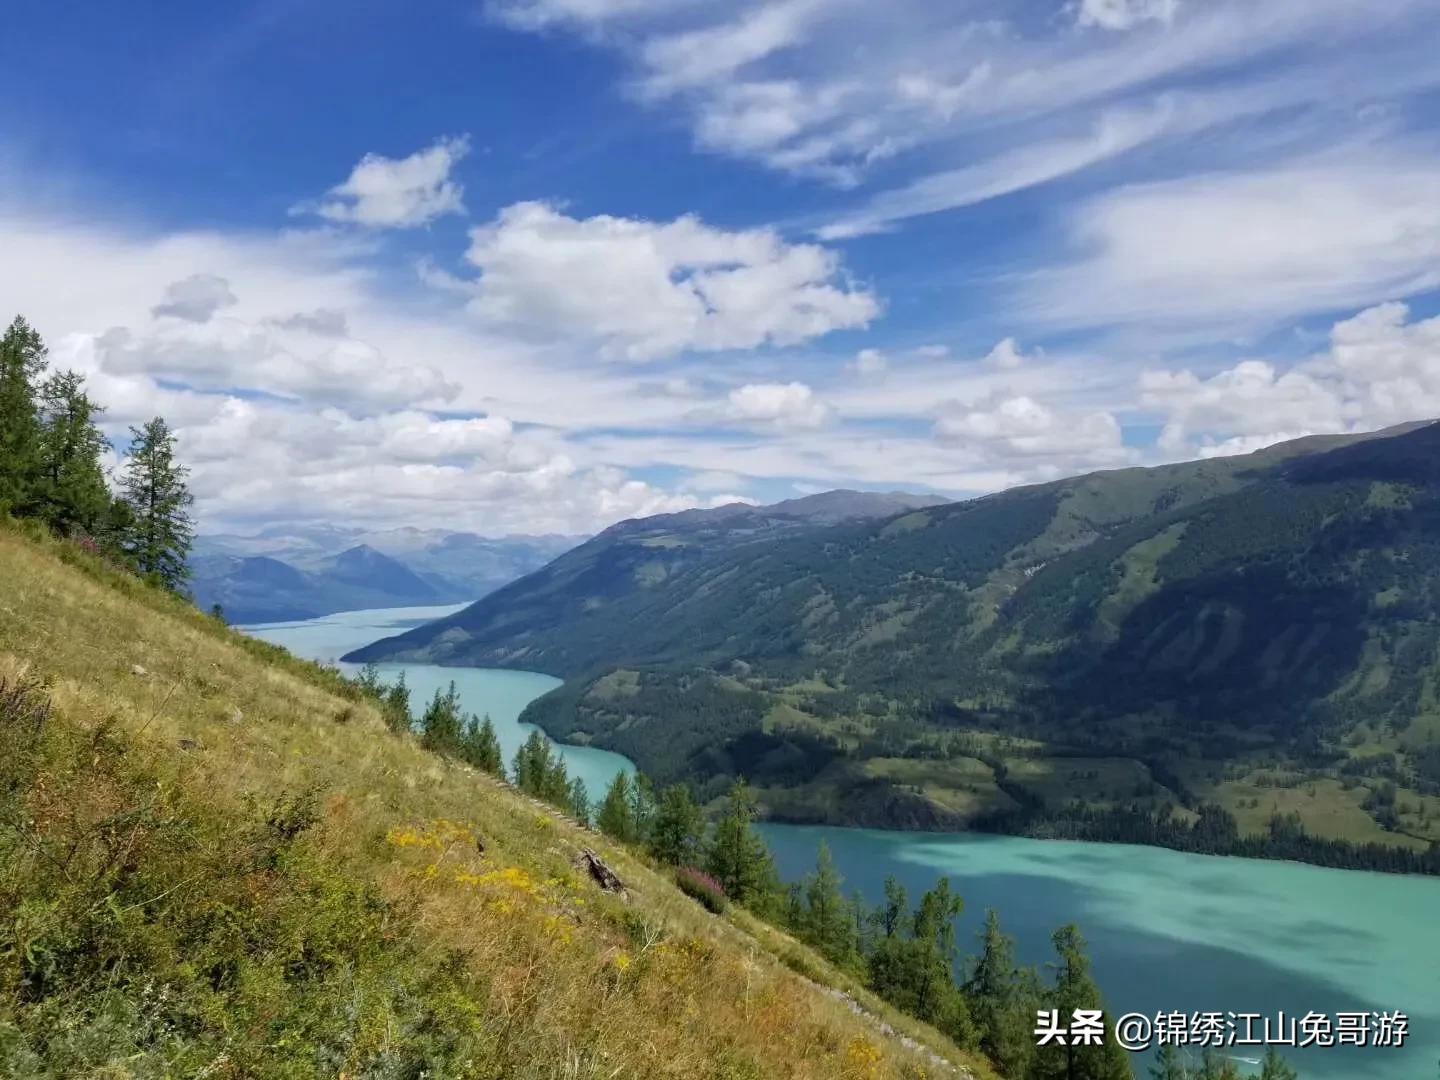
[(216, 860), (1230, 655)]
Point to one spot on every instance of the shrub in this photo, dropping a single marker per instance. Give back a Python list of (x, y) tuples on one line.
[(700, 886)]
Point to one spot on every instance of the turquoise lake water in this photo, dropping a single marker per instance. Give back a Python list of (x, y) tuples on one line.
[(502, 694), (1167, 931)]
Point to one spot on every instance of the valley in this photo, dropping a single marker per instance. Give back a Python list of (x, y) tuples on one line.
[(1231, 656)]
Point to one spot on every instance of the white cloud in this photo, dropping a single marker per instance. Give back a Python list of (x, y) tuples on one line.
[(195, 299), (1125, 14), (717, 480), (696, 57), (1248, 249), (788, 406), (1006, 355), (820, 89), (232, 354), (645, 290), (399, 193), (1380, 370), (869, 362), (541, 14), (1026, 167), (1021, 426)]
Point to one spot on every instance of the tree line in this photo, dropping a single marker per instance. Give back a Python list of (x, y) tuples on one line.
[(53, 467), (904, 952)]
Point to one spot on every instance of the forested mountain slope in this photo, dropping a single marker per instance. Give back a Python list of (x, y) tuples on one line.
[(1253, 639), (216, 860), (626, 563)]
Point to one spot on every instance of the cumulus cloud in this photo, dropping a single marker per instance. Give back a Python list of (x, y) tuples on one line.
[(1381, 369), (231, 354), (195, 299), (1005, 355), (1020, 425), (645, 290), (391, 193), (1125, 14), (788, 406), (324, 322)]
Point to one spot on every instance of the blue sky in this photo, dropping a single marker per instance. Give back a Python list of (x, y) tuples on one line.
[(537, 265)]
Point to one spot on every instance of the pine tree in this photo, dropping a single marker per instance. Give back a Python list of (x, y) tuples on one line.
[(397, 706), (1169, 1065), (72, 495), (532, 765), (737, 857), (555, 782), (441, 724), (154, 488), (1004, 1012), (22, 361), (913, 965), (616, 815), (1075, 989), (579, 801), (828, 923), (1216, 1067), (482, 746), (642, 808), (676, 832), (1276, 1067)]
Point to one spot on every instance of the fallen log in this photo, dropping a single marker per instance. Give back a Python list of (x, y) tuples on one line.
[(606, 878)]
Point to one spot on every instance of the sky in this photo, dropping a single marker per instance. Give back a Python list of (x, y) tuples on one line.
[(525, 266)]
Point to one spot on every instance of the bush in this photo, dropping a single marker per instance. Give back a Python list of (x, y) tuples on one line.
[(700, 886)]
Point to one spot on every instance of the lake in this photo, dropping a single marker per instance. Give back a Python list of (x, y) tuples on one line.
[(501, 694), (1167, 931)]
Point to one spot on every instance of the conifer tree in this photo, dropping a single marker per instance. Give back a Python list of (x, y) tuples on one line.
[(532, 764), (397, 706), (1075, 989), (482, 746), (22, 361), (1276, 1067), (912, 966), (676, 831), (71, 493), (1169, 1065), (442, 723), (153, 488), (616, 815), (1003, 1007), (737, 857), (579, 801), (828, 923), (642, 808)]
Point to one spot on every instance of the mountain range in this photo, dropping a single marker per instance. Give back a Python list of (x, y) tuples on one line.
[(1256, 638), (290, 572)]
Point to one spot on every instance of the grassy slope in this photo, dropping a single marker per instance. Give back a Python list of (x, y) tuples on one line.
[(525, 966)]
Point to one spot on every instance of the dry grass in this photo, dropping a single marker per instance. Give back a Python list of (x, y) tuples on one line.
[(580, 983)]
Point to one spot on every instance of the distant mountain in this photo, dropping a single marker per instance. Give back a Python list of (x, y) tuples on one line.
[(623, 564), (288, 573), (1105, 656)]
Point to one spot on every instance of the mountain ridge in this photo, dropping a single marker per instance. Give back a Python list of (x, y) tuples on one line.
[(1251, 632), (344, 569)]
